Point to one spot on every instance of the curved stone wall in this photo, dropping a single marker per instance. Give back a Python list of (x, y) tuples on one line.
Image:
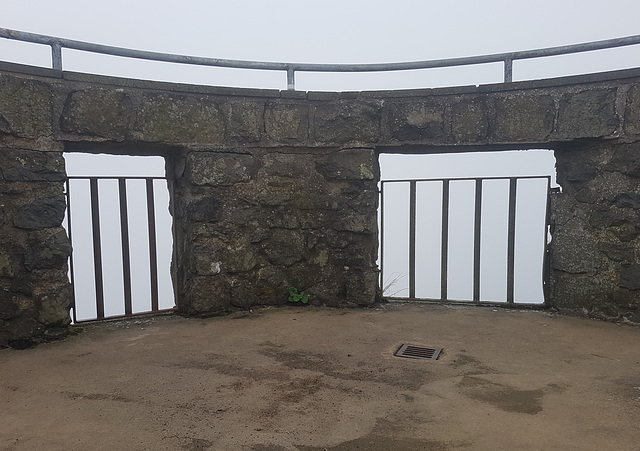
[(273, 189)]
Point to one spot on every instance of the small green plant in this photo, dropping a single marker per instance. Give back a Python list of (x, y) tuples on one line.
[(297, 296)]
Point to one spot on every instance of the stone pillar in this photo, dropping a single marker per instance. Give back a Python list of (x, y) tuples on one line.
[(252, 223), (595, 250), (35, 293)]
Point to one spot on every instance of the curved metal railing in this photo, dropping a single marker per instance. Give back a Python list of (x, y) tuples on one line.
[(57, 44)]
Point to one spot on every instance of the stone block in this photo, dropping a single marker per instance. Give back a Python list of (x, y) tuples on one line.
[(523, 118), (25, 107), (469, 121), (41, 213), (628, 200), (285, 247), (343, 122), (50, 251), (54, 307), (173, 118), (286, 122), (208, 209), (32, 166), (245, 121), (588, 114), (206, 295), (416, 121), (574, 250), (632, 111), (220, 169), (357, 223), (630, 276), (625, 159), (618, 252), (97, 112), (350, 164)]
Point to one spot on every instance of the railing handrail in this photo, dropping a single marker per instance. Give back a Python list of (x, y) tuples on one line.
[(57, 44)]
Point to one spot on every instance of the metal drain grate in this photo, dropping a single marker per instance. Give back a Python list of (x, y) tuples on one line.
[(418, 352)]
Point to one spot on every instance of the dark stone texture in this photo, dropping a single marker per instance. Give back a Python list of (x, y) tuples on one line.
[(220, 169), (628, 200), (630, 276), (208, 295), (346, 122), (469, 121), (209, 209), (632, 111), (41, 213), (588, 114), (97, 112), (618, 252), (523, 117), (25, 107), (286, 122), (626, 160), (174, 118), (350, 164), (416, 121), (32, 166), (245, 121), (48, 251)]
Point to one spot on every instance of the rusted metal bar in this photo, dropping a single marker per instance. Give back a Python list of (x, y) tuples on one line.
[(511, 240), (153, 258), (412, 239), (476, 240), (126, 253), (444, 257), (97, 249)]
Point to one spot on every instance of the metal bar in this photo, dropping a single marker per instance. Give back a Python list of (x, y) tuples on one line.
[(291, 79), (126, 254), (153, 259), (56, 56), (476, 240), (508, 70), (412, 239), (460, 178), (97, 250), (511, 240), (381, 238), (73, 285), (546, 269), (445, 240), (262, 65)]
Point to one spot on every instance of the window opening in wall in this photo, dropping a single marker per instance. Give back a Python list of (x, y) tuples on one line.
[(121, 233), (469, 227)]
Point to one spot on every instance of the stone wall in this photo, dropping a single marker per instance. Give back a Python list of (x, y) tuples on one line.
[(273, 189)]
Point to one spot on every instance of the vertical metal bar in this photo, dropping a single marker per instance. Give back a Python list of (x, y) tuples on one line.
[(291, 79), (511, 239), (126, 258), (445, 240), (412, 239), (508, 70), (73, 284), (174, 237), (381, 281), (153, 259), (476, 241), (546, 269), (56, 56), (97, 250)]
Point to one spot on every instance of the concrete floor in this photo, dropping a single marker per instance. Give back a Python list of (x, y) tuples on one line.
[(306, 378)]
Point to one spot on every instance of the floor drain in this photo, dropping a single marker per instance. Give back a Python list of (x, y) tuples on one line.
[(418, 352)]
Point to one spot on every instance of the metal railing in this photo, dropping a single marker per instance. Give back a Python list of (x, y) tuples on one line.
[(57, 44), (125, 241), (448, 223)]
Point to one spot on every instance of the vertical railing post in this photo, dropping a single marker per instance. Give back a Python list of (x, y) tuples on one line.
[(291, 79), (153, 259), (476, 240), (508, 70), (546, 268), (381, 245), (126, 254), (511, 240), (445, 241), (56, 56), (412, 239), (97, 249), (71, 273)]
